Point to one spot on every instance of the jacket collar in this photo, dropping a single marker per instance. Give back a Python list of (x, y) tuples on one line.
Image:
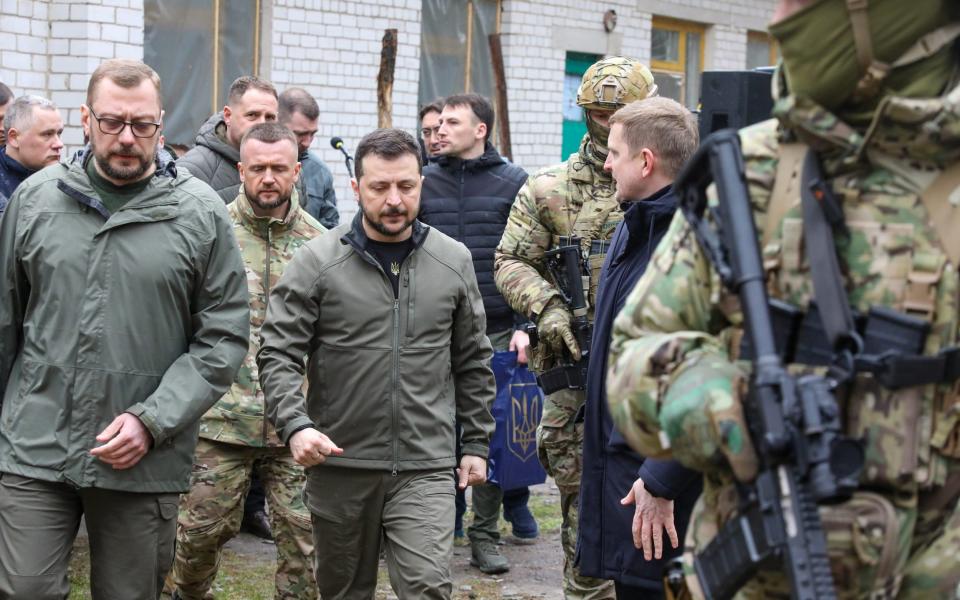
[(489, 158), (357, 237), (213, 135), (643, 218), (13, 165), (259, 226), (584, 167), (155, 203)]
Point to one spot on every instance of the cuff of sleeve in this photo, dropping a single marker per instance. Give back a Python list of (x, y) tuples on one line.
[(476, 449), (294, 426), (139, 410), (537, 308), (665, 479)]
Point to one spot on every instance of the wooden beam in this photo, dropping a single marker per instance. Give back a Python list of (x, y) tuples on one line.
[(500, 86), (388, 62)]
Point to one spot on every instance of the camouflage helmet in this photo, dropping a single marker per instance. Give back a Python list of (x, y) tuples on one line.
[(614, 82)]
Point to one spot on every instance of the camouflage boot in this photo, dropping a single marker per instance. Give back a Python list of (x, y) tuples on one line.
[(485, 555)]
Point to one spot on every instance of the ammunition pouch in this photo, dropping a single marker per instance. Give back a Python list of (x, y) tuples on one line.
[(891, 346), (564, 377)]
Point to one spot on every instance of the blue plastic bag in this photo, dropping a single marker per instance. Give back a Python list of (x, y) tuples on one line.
[(516, 410)]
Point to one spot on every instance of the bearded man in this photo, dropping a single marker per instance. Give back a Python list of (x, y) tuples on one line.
[(385, 317)]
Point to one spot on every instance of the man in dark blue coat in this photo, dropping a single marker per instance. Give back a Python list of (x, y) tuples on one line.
[(627, 502), (468, 190)]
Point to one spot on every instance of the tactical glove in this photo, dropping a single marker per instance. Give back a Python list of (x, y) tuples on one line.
[(555, 331)]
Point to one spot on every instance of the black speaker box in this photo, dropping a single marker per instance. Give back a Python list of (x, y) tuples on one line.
[(734, 99)]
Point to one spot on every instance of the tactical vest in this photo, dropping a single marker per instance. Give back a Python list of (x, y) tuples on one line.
[(900, 254), (593, 214)]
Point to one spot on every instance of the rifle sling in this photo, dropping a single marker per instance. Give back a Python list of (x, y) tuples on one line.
[(821, 254)]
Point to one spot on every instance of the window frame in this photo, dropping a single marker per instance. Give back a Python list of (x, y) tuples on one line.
[(678, 67), (773, 49)]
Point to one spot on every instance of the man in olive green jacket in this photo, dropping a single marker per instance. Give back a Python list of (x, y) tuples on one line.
[(389, 317), (123, 318)]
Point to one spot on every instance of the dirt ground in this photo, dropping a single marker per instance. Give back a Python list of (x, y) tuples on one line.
[(535, 570)]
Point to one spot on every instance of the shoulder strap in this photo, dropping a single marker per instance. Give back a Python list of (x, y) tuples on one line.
[(821, 251), (786, 187), (942, 201)]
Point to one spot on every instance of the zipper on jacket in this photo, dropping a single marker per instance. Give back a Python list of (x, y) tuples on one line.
[(396, 384), (266, 292), (463, 170)]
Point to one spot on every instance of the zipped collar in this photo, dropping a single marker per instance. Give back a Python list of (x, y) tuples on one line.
[(152, 204), (489, 158), (357, 237), (259, 226)]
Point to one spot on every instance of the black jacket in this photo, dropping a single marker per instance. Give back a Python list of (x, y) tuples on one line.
[(12, 174), (605, 544), (470, 200)]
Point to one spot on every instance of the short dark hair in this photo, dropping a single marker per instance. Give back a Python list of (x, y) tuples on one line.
[(480, 106), (5, 94), (435, 106), (125, 73), (297, 100), (390, 144), (270, 132), (242, 84)]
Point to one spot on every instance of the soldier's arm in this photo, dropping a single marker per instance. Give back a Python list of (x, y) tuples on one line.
[(670, 384), (519, 256)]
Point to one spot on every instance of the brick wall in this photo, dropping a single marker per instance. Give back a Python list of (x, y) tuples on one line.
[(539, 33), (332, 49)]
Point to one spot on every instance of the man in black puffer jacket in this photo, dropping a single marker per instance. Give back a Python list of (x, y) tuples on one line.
[(214, 159), (467, 194)]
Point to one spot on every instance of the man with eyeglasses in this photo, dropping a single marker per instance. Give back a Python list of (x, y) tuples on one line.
[(215, 156), (430, 129), (123, 318), (300, 113)]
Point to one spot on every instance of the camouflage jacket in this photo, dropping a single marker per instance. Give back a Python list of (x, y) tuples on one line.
[(672, 345), (267, 245)]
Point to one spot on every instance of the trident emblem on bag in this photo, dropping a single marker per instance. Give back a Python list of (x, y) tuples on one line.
[(524, 417)]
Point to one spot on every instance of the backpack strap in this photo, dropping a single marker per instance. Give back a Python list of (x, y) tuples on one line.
[(942, 201), (786, 186)]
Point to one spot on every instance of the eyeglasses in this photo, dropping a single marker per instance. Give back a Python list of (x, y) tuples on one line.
[(111, 126)]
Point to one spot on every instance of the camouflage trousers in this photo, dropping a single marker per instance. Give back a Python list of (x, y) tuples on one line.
[(880, 546), (560, 449), (210, 515)]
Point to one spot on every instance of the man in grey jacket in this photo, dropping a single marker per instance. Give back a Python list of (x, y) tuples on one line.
[(387, 313), (214, 158), (300, 113), (123, 317)]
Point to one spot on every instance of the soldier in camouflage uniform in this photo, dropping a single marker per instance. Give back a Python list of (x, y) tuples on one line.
[(578, 198), (235, 436), (889, 145)]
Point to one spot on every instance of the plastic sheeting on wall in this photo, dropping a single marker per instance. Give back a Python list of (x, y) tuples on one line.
[(180, 41)]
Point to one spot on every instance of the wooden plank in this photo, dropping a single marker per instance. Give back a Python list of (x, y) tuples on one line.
[(388, 62), (500, 86)]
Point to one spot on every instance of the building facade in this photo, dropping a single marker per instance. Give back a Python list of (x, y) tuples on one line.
[(332, 48)]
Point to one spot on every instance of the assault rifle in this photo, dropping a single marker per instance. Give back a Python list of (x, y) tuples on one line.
[(566, 265), (794, 422)]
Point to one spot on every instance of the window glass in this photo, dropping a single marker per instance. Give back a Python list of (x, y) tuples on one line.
[(692, 70), (665, 45)]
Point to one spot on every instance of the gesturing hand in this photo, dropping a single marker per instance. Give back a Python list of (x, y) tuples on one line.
[(310, 447), (651, 517), (127, 441)]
